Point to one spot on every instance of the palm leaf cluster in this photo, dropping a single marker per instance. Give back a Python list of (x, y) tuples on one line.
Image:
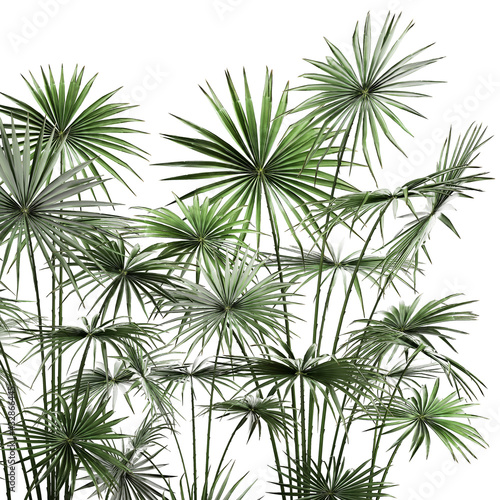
[(193, 326)]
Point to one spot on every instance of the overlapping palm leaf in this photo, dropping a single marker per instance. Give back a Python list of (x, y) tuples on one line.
[(102, 383), (88, 134), (156, 393), (250, 170), (124, 272), (139, 478), (408, 328), (114, 334), (450, 182), (256, 411), (75, 438), (234, 306), (207, 373), (323, 374), (207, 233), (312, 481), (48, 213)]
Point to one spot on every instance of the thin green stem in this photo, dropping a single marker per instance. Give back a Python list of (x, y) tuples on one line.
[(388, 466), (271, 435), (5, 367), (303, 419), (209, 425), (193, 430), (275, 236), (228, 444), (377, 436), (31, 255)]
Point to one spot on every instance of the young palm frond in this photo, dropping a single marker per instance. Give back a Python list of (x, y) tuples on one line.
[(75, 438), (234, 306), (256, 410), (359, 101), (86, 135), (205, 234), (424, 414), (333, 482), (250, 171), (408, 328)]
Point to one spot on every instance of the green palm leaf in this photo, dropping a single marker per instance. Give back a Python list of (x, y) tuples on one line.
[(75, 438), (450, 182), (363, 100), (322, 373), (250, 170), (50, 213), (102, 383), (256, 410), (233, 306), (122, 273), (205, 234), (408, 328), (90, 135), (333, 482), (424, 414), (138, 478), (210, 375)]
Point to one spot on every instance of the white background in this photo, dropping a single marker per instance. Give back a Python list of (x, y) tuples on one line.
[(160, 51)]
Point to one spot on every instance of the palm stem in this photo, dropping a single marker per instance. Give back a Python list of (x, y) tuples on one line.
[(193, 430), (276, 243), (204, 494), (271, 435), (31, 255), (377, 436), (6, 369)]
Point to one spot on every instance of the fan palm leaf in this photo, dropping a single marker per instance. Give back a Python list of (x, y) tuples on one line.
[(207, 373), (323, 374), (75, 438), (255, 410), (205, 234), (249, 170), (408, 328), (333, 482), (233, 306), (138, 478), (362, 100), (90, 135), (125, 273), (425, 414), (34, 208)]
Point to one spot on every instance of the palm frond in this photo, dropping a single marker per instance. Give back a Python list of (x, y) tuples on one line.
[(362, 101), (250, 171), (89, 135), (425, 414)]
